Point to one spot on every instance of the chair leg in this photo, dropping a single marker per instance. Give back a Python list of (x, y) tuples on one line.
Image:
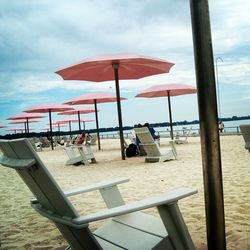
[(176, 227)]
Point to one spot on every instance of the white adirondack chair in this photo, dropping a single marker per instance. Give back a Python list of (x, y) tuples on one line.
[(183, 139), (79, 154), (128, 228), (245, 131), (152, 149)]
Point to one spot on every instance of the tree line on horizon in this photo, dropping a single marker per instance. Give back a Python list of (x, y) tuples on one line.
[(112, 129)]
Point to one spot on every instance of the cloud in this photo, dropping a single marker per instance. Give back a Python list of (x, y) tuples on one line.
[(40, 37)]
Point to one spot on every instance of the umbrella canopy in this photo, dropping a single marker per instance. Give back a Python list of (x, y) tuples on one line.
[(79, 111), (27, 117), (73, 120), (16, 129), (24, 121), (2, 126), (115, 67), (49, 108), (95, 98), (167, 90)]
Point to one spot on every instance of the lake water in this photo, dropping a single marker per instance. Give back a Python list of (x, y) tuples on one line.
[(230, 127)]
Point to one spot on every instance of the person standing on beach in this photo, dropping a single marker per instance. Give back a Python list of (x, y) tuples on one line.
[(221, 126)]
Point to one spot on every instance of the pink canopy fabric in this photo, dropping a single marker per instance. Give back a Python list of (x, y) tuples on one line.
[(167, 90), (115, 67), (16, 129), (49, 108), (94, 98), (23, 121), (101, 68), (74, 120), (76, 110), (79, 111), (2, 126), (26, 116), (45, 108)]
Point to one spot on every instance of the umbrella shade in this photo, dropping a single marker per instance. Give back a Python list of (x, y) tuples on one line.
[(23, 121), (27, 117), (100, 68), (49, 108), (167, 90), (16, 129), (116, 67), (73, 120), (79, 111), (95, 98)]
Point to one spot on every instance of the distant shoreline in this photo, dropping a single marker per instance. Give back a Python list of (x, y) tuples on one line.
[(115, 129)]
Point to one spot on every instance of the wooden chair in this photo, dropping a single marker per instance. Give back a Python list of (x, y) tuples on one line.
[(245, 131), (128, 228), (79, 154), (183, 139), (152, 149)]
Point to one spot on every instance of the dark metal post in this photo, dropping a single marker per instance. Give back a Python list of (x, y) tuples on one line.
[(218, 87), (70, 127), (27, 121), (97, 125), (25, 127), (210, 143), (118, 101), (79, 120), (51, 133), (170, 116)]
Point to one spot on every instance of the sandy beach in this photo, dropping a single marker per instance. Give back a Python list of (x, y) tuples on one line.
[(22, 228)]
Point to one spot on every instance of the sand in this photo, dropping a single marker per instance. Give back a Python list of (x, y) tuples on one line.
[(22, 228)]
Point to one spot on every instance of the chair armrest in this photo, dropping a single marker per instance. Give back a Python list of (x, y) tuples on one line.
[(96, 186), (165, 198), (82, 221)]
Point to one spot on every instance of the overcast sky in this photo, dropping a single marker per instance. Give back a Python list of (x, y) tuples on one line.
[(39, 37)]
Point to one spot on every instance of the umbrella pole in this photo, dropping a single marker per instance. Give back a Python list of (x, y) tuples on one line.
[(115, 67), (70, 129), (58, 126), (50, 126), (27, 121), (25, 127), (97, 125), (210, 142), (84, 127), (79, 120), (170, 117)]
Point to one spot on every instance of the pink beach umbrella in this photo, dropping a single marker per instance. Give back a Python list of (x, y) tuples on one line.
[(27, 117), (49, 108), (79, 111), (58, 124), (95, 98), (16, 129), (2, 126), (115, 67), (47, 128), (167, 90), (70, 120)]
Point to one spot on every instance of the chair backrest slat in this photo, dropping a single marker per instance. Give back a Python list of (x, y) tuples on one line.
[(37, 177), (147, 141)]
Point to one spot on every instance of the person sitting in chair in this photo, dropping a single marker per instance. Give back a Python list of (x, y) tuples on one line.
[(81, 139)]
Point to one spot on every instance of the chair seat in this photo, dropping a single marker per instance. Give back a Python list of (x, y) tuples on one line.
[(128, 237)]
